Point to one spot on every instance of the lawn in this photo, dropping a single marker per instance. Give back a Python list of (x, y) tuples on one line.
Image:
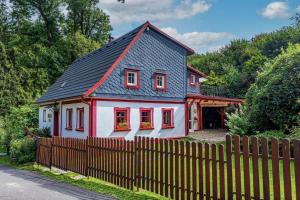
[(91, 184)]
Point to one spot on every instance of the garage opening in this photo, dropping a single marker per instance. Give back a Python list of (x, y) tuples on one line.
[(211, 118)]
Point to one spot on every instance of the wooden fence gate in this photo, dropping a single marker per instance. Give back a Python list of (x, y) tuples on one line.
[(242, 168)]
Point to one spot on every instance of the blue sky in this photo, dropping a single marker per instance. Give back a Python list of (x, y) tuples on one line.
[(204, 25)]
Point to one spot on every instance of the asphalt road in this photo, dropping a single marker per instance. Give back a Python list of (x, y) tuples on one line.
[(25, 185)]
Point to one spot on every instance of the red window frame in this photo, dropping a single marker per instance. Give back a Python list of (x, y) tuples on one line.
[(80, 119), (126, 115), (137, 86), (44, 115), (164, 125), (165, 82), (69, 118), (142, 125), (191, 79)]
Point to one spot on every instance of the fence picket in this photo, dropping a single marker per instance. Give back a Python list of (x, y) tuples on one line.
[(286, 169), (246, 168), (221, 172), (275, 169), (148, 163), (297, 167), (207, 171), (265, 166), (229, 166), (214, 171)]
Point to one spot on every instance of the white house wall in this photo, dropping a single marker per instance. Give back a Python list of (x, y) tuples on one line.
[(49, 118), (73, 133), (105, 120)]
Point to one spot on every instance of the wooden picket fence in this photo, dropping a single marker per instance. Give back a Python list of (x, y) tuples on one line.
[(242, 168)]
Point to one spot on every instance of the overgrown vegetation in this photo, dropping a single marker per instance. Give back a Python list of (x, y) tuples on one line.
[(272, 102), (265, 71), (22, 150), (39, 39)]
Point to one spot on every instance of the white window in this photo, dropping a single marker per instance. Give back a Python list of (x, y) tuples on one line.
[(132, 78), (44, 116), (192, 79), (160, 81)]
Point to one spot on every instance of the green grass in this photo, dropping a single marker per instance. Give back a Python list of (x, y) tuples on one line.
[(91, 184)]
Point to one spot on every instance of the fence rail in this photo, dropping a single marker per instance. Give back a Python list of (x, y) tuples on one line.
[(242, 168)]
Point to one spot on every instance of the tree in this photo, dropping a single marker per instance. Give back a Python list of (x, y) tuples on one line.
[(85, 17), (273, 101)]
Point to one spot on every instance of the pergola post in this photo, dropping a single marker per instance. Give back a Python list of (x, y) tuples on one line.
[(200, 114)]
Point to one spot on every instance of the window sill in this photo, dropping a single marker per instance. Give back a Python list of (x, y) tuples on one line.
[(69, 128), (132, 87), (79, 129), (122, 130), (151, 128), (160, 89), (167, 127)]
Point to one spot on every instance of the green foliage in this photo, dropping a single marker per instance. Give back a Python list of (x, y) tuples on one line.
[(15, 121), (236, 65), (272, 102), (42, 132), (22, 150), (278, 134), (38, 41), (238, 123)]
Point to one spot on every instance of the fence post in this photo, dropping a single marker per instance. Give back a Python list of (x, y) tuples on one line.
[(37, 153), (229, 166), (137, 161), (297, 167), (50, 159), (87, 157)]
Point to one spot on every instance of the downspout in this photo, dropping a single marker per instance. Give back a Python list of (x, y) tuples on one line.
[(90, 115)]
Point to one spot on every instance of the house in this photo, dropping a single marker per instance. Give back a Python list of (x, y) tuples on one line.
[(138, 84)]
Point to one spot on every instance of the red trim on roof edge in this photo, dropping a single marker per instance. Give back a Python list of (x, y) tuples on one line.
[(115, 64), (233, 100), (196, 71), (190, 51)]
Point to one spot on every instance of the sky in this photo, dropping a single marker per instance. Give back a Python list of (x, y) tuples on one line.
[(203, 25)]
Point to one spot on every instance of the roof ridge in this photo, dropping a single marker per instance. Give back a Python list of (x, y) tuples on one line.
[(110, 43)]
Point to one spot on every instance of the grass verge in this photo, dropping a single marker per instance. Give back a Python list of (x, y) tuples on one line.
[(91, 184)]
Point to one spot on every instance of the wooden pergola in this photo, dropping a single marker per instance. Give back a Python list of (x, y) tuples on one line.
[(220, 103)]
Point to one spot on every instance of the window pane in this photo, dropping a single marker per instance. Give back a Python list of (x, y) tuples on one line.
[(167, 117), (132, 78)]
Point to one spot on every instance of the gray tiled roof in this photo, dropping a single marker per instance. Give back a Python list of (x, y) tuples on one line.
[(86, 71)]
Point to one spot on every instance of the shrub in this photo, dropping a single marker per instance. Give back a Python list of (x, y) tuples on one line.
[(22, 150), (237, 123), (278, 134), (42, 132), (15, 121)]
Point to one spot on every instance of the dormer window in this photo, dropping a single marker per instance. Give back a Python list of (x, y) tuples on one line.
[(132, 79), (160, 82), (192, 79)]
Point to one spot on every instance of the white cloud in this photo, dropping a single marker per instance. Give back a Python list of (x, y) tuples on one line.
[(200, 41), (152, 10), (276, 10), (298, 9)]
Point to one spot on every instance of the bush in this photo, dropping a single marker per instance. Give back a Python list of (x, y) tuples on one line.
[(237, 123), (278, 134), (22, 150), (15, 121), (42, 132)]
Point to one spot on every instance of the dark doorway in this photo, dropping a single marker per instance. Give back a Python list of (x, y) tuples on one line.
[(55, 123), (211, 118)]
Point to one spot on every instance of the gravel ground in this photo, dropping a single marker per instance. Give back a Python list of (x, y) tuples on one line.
[(209, 136)]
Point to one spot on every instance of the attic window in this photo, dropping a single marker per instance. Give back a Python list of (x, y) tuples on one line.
[(63, 84)]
